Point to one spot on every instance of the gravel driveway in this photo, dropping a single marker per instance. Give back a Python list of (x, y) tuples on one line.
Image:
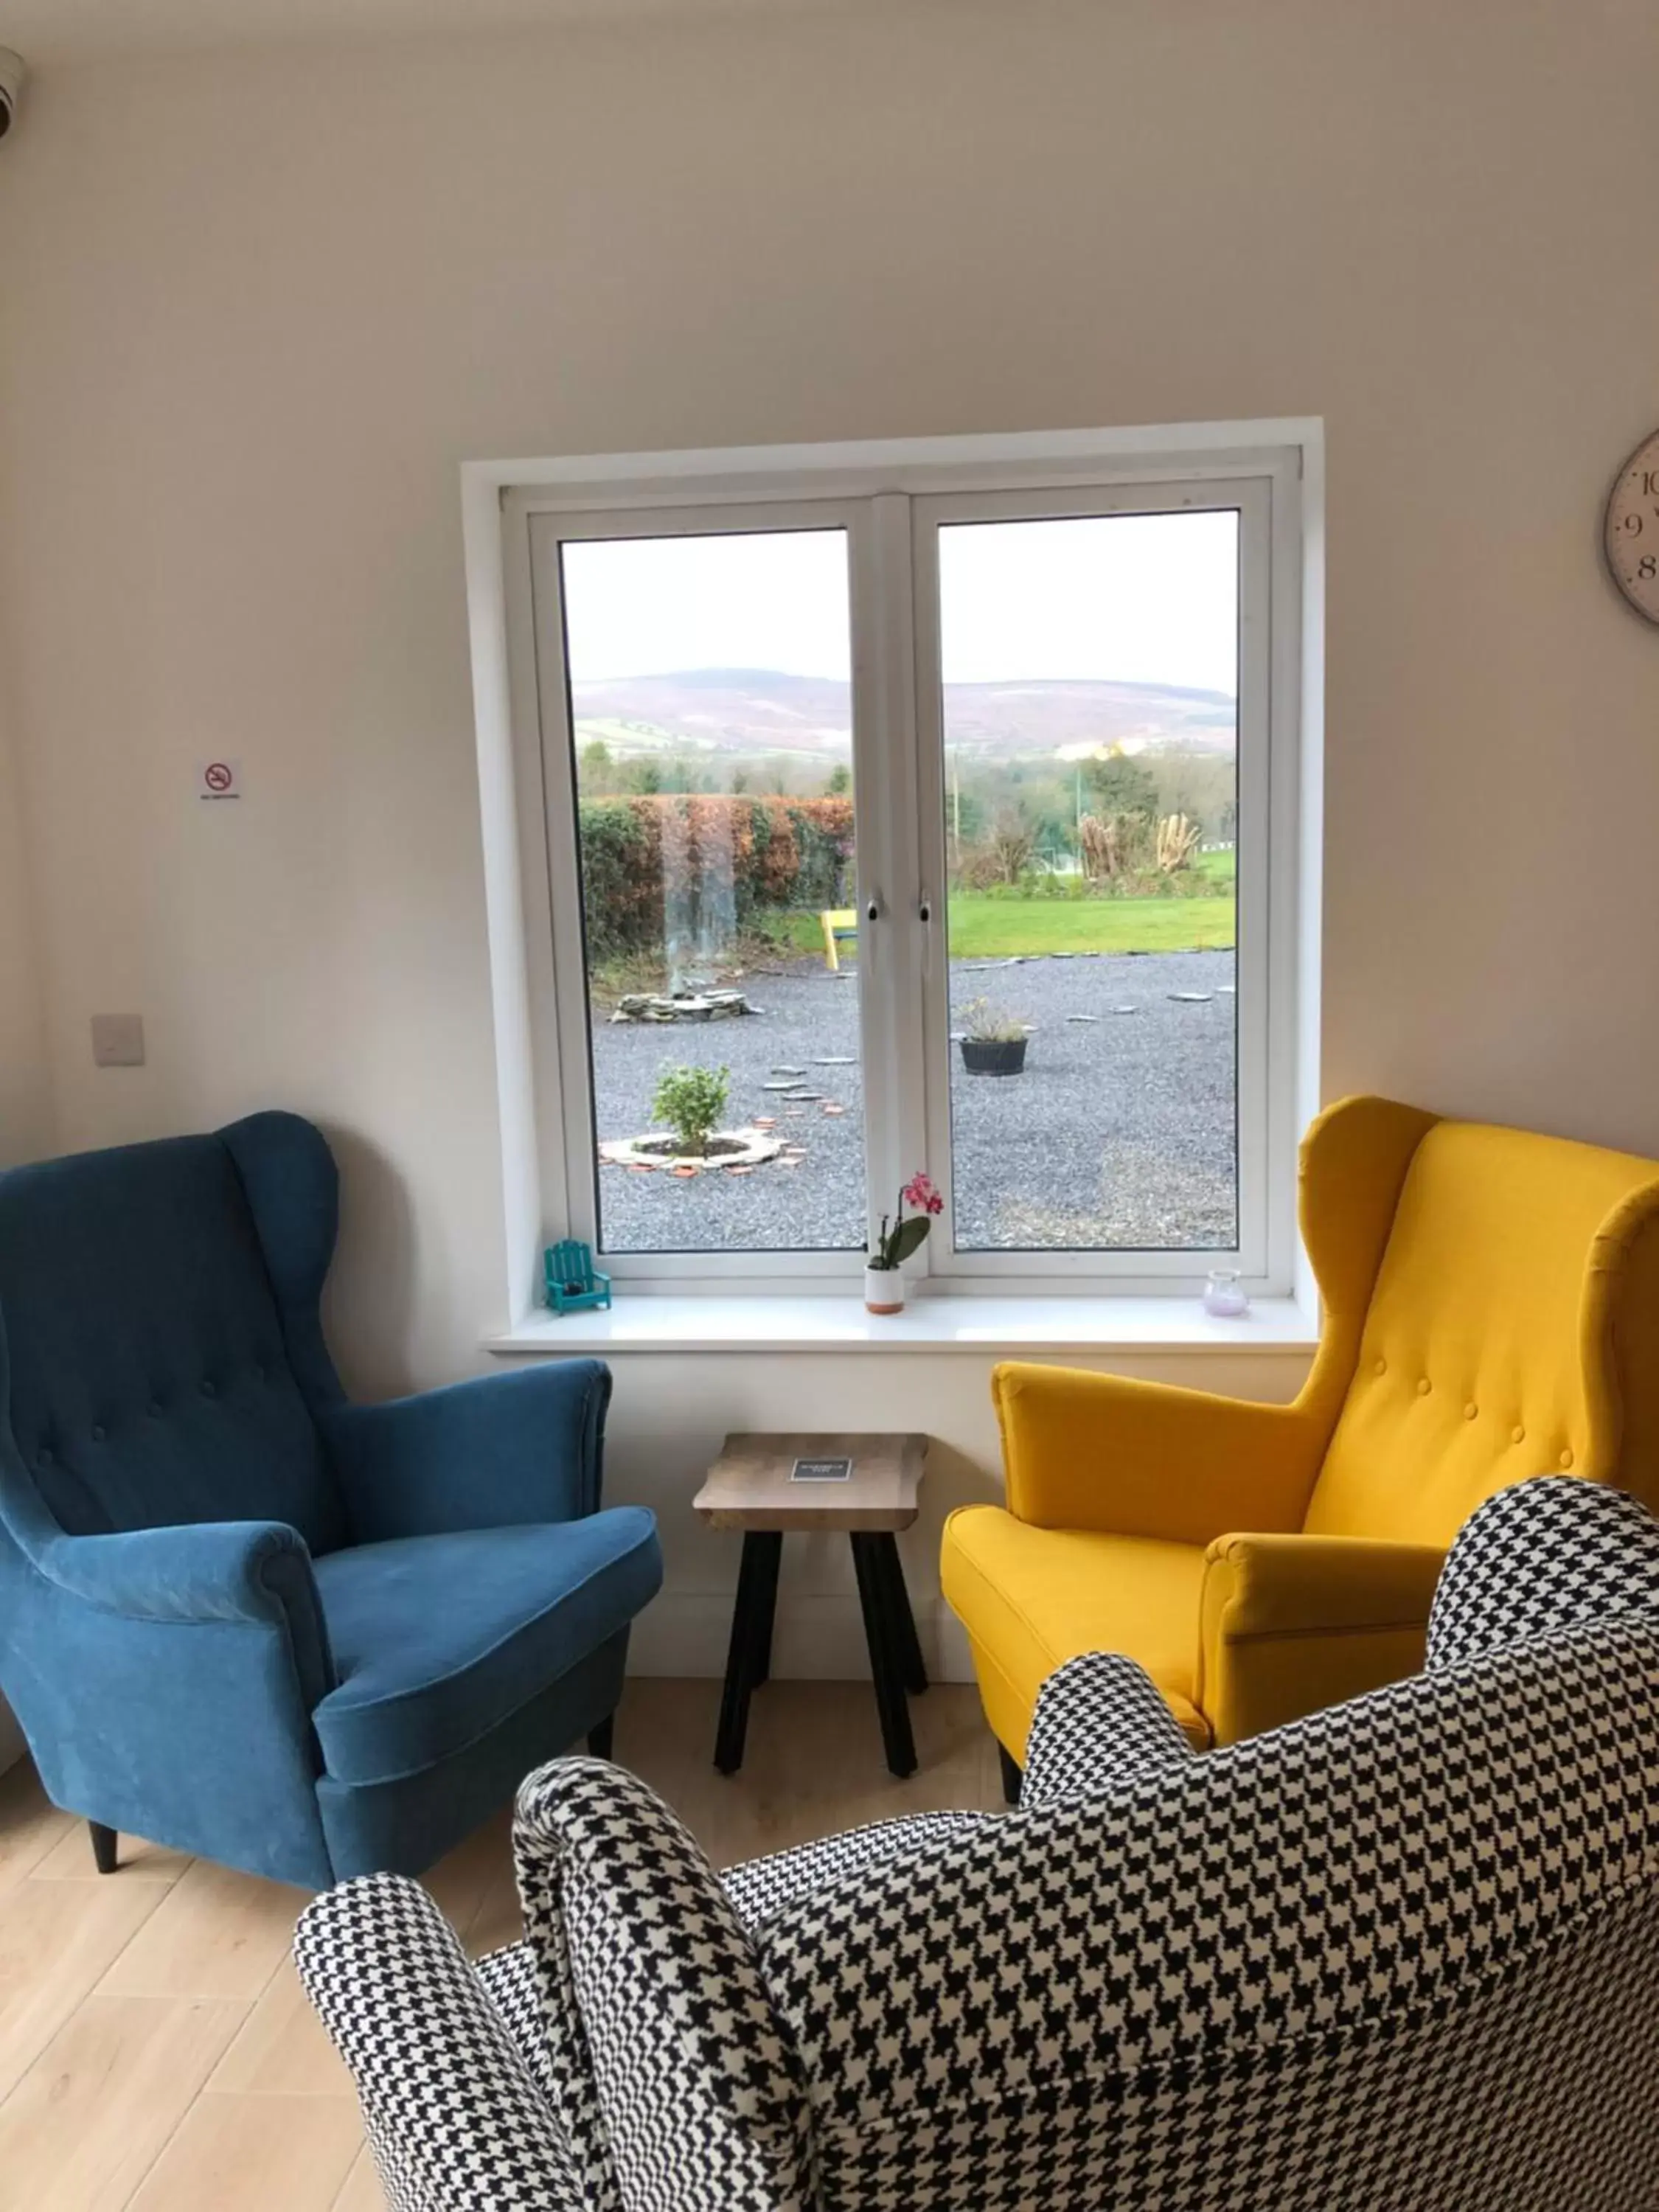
[(1119, 1133)]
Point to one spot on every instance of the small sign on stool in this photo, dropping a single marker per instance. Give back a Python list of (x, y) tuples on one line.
[(864, 1486)]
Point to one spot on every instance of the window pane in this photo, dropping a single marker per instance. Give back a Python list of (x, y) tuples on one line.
[(1091, 725), (710, 706)]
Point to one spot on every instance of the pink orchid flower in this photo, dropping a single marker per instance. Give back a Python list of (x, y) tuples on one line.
[(920, 1193)]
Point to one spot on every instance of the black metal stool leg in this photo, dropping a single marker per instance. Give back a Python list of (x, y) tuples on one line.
[(885, 1664), (766, 1613), (600, 1738), (104, 1842), (751, 1641), (1011, 1778), (903, 1619)]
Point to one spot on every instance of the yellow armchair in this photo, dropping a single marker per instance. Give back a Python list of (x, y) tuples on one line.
[(1491, 1311)]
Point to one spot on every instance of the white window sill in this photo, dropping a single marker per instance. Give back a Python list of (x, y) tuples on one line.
[(1145, 1326)]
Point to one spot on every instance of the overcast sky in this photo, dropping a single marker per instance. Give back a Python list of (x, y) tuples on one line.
[(1146, 598)]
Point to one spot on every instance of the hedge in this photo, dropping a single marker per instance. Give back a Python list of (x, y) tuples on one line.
[(701, 868)]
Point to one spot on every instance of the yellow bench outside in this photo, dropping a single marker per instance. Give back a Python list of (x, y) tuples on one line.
[(837, 921)]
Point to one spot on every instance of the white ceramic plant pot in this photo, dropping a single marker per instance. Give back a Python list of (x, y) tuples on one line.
[(883, 1291)]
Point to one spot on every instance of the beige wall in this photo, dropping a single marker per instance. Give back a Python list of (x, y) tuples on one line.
[(257, 308), (26, 1119)]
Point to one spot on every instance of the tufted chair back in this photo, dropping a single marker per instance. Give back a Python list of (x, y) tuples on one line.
[(1512, 1330), (160, 1359)]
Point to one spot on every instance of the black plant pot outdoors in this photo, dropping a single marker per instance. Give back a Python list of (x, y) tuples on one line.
[(993, 1056)]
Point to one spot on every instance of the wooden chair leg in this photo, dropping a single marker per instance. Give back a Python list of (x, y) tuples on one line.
[(104, 1842)]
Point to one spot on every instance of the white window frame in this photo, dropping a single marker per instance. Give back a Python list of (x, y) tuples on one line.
[(890, 498)]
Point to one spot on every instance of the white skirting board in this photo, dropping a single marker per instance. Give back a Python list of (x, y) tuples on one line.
[(818, 1637)]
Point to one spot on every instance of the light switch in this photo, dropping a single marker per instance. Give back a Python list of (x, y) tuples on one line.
[(118, 1040)]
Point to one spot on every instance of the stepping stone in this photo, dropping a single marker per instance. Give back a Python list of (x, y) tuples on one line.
[(804, 1097), (786, 1082), (835, 1109), (1228, 990), (1126, 1010), (765, 1122), (1083, 1017), (740, 1167), (836, 1060), (685, 1171), (783, 1069), (1192, 998)]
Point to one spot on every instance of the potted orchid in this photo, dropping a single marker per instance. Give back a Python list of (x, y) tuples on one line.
[(898, 1237)]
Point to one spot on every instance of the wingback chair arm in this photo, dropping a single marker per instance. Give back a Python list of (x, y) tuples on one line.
[(519, 1447), (1101, 1725), (251, 1573), (1129, 1458), (1290, 1624)]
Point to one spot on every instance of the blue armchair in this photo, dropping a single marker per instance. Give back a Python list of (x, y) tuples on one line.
[(238, 1614)]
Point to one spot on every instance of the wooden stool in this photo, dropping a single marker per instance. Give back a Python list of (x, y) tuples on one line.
[(762, 1485)]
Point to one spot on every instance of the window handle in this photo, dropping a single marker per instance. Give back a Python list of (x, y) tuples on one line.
[(924, 916)]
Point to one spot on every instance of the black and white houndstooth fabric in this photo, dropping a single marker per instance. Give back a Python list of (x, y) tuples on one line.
[(1536, 1557), (453, 2114), (1395, 1958), (1100, 1725)]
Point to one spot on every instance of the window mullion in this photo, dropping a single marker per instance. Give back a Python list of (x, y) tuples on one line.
[(884, 787)]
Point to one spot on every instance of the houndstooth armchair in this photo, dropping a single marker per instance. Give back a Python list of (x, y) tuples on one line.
[(1400, 1957)]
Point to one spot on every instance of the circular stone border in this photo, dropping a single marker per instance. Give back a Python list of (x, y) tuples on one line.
[(750, 1149)]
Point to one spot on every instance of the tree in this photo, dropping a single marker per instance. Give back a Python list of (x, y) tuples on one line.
[(1013, 841), (1122, 786), (599, 769), (840, 781)]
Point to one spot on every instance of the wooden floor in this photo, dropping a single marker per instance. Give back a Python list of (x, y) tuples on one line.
[(155, 2051)]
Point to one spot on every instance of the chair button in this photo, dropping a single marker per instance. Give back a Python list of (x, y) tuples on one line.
[(1382, 1367), (1423, 1388), (207, 1390), (1517, 1435), (1566, 1459), (1470, 1412), (43, 1457), (154, 1409), (98, 1432)]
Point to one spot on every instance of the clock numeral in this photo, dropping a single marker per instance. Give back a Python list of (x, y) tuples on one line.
[(1631, 524), (1650, 481), (1647, 567)]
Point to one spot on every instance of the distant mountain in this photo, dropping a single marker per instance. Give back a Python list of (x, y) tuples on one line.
[(760, 710)]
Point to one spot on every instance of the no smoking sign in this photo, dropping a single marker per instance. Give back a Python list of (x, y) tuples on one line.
[(219, 779)]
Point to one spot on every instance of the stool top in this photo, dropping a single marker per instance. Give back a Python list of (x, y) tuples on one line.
[(754, 1484)]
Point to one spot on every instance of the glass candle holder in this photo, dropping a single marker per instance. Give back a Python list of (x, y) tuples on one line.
[(1223, 1294)]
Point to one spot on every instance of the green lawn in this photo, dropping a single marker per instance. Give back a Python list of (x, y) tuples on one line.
[(994, 929)]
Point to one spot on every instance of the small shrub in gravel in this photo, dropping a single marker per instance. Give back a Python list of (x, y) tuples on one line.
[(691, 1101)]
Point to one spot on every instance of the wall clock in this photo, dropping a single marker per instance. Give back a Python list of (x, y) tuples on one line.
[(1629, 533)]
